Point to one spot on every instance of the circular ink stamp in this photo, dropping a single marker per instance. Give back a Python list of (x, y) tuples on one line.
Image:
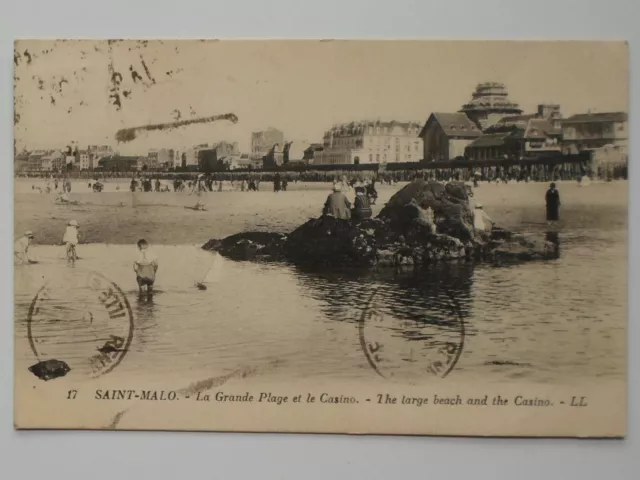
[(409, 346), (79, 322)]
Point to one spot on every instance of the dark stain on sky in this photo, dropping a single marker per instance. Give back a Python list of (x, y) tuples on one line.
[(146, 70), (116, 78), (128, 134), (135, 76)]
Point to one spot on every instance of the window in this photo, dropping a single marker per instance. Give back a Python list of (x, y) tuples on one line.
[(377, 157), (370, 158)]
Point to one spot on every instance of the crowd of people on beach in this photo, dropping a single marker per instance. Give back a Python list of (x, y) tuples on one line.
[(148, 180), (337, 205)]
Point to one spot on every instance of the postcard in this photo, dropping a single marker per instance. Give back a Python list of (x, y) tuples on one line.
[(329, 236)]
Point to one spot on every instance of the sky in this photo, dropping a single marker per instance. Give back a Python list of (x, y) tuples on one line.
[(62, 87)]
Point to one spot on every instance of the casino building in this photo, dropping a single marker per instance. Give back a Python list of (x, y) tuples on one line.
[(489, 103)]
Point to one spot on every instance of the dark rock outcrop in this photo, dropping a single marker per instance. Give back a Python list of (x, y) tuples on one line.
[(450, 205), (329, 240), (422, 224), (248, 245)]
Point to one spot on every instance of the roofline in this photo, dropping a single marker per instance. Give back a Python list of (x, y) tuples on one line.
[(595, 117)]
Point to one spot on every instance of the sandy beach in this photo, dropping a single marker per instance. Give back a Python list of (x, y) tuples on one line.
[(122, 217)]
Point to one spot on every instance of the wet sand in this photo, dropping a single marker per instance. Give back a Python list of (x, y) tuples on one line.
[(122, 217)]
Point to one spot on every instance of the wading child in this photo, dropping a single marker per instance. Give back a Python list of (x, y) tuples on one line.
[(145, 266), (70, 240)]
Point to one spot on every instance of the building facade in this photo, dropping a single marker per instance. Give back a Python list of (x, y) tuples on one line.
[(219, 157), (152, 159), (166, 158), (590, 131), (96, 152), (516, 139), (21, 162), (369, 142), (192, 155), (489, 103), (261, 144), (85, 160), (445, 136), (117, 163), (54, 161), (34, 163)]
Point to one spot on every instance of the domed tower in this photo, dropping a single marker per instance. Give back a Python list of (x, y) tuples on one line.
[(489, 103)]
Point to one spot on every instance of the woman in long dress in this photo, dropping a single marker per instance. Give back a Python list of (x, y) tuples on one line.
[(553, 203)]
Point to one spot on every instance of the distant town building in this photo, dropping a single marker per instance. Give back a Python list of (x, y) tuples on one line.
[(219, 157), (263, 142), (21, 162), (191, 155), (369, 142), (177, 158), (532, 137), (85, 160), (520, 136), (309, 153), (54, 161), (118, 163), (489, 103), (239, 162), (296, 151), (590, 131), (152, 159), (59, 162), (34, 163), (166, 158), (445, 136)]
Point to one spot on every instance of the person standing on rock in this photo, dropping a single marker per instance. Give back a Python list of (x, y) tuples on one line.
[(553, 203), (337, 204), (481, 221)]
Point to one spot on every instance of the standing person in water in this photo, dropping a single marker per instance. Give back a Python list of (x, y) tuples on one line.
[(71, 239), (553, 203), (145, 266), (21, 248)]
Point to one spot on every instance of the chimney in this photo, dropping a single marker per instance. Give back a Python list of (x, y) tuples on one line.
[(547, 110)]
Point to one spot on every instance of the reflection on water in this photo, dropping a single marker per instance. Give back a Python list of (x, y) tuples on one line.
[(555, 321)]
